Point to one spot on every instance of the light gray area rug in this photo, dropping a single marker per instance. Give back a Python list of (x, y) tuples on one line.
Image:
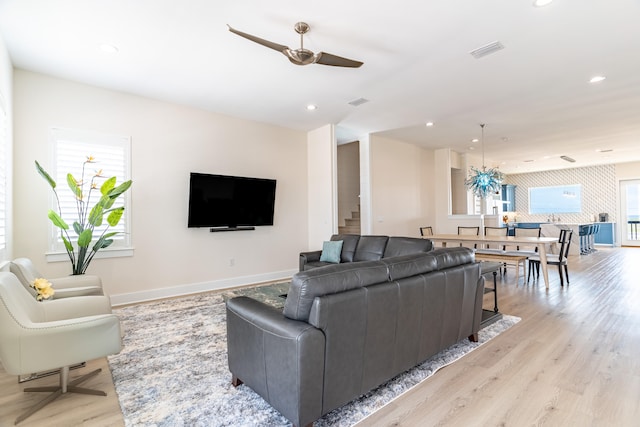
[(173, 370)]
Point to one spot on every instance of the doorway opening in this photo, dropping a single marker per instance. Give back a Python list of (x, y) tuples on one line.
[(630, 208)]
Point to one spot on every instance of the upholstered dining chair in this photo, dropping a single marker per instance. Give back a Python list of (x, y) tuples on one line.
[(426, 231), (43, 336), (560, 259), (472, 231), (70, 286)]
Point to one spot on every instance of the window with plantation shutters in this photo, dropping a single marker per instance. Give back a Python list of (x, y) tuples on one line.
[(4, 146), (91, 157)]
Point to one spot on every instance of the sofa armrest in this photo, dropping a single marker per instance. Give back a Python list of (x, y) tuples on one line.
[(280, 359), (307, 257), (477, 315)]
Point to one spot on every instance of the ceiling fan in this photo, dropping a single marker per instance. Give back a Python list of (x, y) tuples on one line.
[(301, 56)]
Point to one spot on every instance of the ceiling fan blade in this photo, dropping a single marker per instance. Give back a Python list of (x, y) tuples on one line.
[(336, 61), (263, 42)]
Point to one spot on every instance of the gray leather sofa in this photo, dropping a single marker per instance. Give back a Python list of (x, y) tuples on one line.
[(348, 328), (367, 248)]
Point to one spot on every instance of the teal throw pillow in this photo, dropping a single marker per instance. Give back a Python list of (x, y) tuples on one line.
[(331, 251)]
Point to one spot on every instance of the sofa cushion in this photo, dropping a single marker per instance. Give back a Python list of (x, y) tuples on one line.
[(450, 257), (307, 285), (397, 246), (410, 265), (315, 264), (439, 259), (349, 244), (331, 251), (370, 248)]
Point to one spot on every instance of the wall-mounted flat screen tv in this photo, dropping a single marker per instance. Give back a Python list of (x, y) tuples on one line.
[(230, 201)]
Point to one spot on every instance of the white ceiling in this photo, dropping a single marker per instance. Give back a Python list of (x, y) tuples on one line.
[(534, 95)]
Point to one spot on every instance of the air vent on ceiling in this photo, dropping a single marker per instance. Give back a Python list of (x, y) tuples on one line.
[(568, 159), (487, 49), (358, 102)]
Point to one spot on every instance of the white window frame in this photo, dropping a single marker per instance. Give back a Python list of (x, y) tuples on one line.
[(93, 140), (4, 189)]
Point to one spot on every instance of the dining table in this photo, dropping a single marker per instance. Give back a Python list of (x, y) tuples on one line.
[(539, 242)]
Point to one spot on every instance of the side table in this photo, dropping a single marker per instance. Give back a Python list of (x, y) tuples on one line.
[(490, 316)]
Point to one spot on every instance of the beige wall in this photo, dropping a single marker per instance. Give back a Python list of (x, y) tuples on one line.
[(168, 142), (401, 174), (348, 180)]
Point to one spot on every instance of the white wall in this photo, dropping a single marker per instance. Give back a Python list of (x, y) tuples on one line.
[(6, 98), (168, 142), (446, 222), (400, 173), (321, 164), (626, 171)]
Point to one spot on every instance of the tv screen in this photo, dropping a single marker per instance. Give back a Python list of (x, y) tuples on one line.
[(230, 201)]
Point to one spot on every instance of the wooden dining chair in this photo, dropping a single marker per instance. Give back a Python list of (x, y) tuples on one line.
[(527, 232), (426, 231), (560, 259), (495, 231), (469, 231)]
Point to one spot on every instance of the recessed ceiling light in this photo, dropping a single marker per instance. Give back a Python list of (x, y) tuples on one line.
[(546, 157), (312, 107), (542, 3), (429, 124), (608, 150), (109, 48), (528, 161), (472, 148), (475, 140), (597, 79)]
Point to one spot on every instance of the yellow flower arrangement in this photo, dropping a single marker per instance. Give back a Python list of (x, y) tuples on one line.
[(43, 288)]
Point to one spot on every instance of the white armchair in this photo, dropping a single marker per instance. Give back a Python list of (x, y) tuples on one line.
[(70, 286), (40, 336)]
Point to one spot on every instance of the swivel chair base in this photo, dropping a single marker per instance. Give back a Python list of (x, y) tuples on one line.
[(57, 391)]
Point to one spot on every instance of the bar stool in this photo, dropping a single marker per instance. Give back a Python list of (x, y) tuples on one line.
[(583, 232), (596, 229)]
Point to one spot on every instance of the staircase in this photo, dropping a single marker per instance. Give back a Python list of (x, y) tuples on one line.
[(352, 225)]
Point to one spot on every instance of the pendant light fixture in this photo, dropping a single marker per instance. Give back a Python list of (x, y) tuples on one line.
[(486, 181)]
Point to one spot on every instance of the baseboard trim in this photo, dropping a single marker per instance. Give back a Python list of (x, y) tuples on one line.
[(196, 288)]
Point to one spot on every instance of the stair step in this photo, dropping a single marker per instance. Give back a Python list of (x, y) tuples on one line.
[(352, 222), (349, 230), (355, 214)]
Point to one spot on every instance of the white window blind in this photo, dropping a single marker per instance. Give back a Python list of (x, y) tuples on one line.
[(111, 157)]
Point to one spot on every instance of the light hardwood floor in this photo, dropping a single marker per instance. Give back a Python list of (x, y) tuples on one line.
[(573, 360)]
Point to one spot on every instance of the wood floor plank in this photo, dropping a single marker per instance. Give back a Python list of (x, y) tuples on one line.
[(571, 361)]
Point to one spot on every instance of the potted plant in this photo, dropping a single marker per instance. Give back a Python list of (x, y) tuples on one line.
[(80, 241)]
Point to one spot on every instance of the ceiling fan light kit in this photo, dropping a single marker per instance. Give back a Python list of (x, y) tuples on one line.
[(301, 56)]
